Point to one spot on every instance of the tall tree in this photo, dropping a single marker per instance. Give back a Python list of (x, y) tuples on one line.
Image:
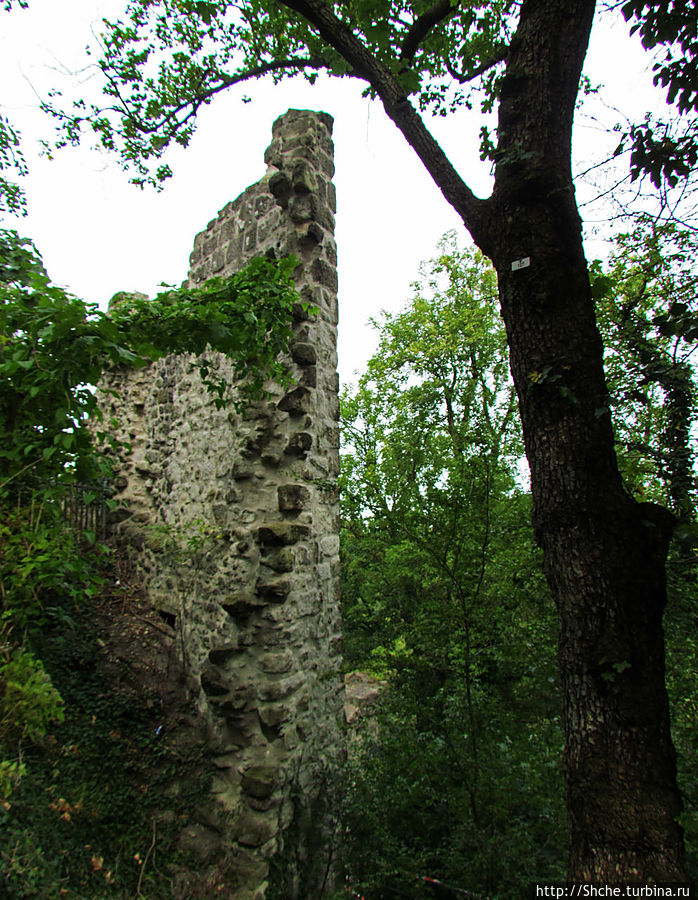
[(443, 596), (431, 442), (604, 552)]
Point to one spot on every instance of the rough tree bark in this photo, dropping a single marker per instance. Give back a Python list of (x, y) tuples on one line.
[(604, 553)]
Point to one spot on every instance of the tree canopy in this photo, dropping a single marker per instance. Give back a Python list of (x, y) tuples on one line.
[(164, 61), (667, 150)]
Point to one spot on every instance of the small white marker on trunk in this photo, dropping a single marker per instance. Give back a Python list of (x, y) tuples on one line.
[(521, 264)]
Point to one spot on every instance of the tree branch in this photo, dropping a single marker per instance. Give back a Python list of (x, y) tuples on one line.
[(197, 99), (500, 55), (474, 211), (422, 25)]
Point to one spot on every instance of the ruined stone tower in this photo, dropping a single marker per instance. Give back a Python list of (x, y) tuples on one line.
[(232, 522)]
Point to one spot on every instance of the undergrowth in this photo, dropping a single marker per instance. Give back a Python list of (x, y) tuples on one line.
[(104, 797)]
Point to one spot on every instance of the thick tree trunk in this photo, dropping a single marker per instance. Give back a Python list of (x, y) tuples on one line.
[(604, 559), (604, 554)]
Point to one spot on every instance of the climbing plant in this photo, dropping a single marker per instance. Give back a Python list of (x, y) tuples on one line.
[(646, 309), (53, 351), (55, 348)]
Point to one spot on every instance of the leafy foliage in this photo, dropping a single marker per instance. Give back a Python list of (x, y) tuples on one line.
[(444, 597), (646, 304), (53, 350), (12, 198), (420, 804), (672, 26), (665, 150), (29, 703), (428, 435), (55, 347), (96, 794), (165, 60)]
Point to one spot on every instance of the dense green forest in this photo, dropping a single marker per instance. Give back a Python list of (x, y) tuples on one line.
[(444, 597)]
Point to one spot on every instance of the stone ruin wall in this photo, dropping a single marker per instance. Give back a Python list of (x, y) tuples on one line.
[(232, 522)]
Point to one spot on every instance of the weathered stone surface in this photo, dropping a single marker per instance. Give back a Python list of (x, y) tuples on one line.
[(214, 681), (303, 354), (275, 591), (220, 655), (299, 444), (242, 471), (292, 497), (254, 828), (276, 663), (295, 402), (241, 606), (282, 533), (281, 561), (309, 376), (235, 700), (304, 179), (244, 560), (260, 781), (312, 234)]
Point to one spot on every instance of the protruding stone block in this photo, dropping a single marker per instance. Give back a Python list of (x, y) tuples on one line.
[(303, 177), (294, 403), (281, 561), (280, 187), (223, 654), (214, 681), (260, 781), (254, 828), (275, 591), (299, 444), (292, 497), (304, 354), (281, 533)]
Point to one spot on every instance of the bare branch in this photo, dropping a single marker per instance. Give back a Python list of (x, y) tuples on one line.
[(422, 25)]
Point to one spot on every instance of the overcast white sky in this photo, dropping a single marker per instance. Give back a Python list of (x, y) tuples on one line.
[(99, 234)]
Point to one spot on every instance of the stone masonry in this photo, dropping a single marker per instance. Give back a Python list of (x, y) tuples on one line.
[(232, 523)]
